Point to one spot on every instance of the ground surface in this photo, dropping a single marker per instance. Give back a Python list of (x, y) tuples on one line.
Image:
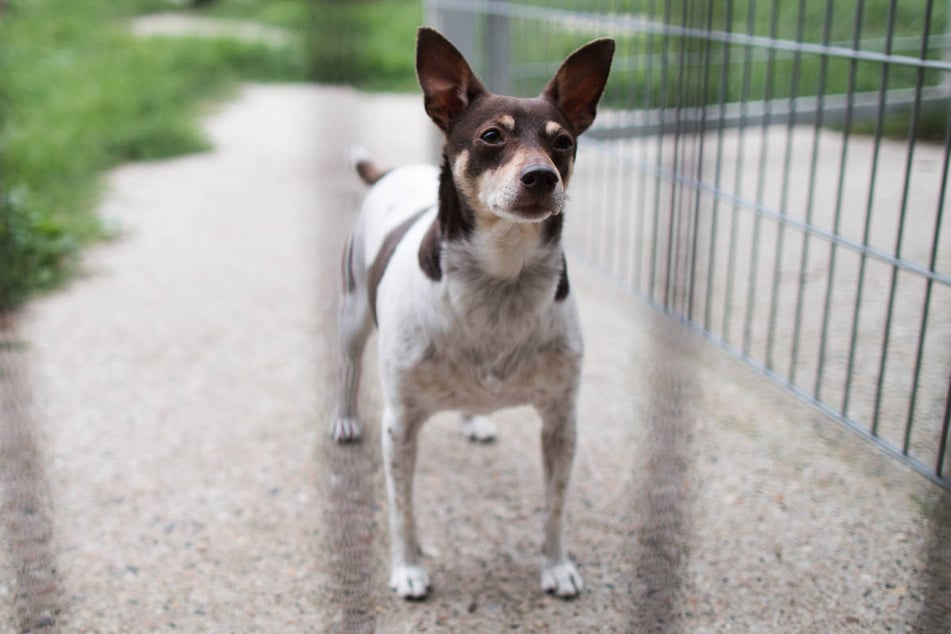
[(166, 464)]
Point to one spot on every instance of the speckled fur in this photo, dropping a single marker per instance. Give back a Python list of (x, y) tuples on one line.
[(473, 307)]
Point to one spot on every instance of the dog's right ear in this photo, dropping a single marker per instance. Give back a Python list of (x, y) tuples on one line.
[(448, 83)]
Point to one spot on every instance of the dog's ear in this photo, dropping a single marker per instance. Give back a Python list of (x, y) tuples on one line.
[(448, 83), (577, 86)]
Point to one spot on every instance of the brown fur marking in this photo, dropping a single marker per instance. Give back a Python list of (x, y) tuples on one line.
[(390, 242)]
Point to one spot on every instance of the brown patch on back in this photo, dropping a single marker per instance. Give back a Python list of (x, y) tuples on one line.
[(430, 252), (390, 242)]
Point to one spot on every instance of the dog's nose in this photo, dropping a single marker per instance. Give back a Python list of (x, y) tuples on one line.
[(539, 178)]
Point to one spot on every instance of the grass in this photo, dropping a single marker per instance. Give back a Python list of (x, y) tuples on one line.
[(369, 44), (79, 95)]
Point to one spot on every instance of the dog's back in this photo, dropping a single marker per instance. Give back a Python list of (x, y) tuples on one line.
[(398, 195)]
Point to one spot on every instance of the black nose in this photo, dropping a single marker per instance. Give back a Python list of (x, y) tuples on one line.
[(540, 179)]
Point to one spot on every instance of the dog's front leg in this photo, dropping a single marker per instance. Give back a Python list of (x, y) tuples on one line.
[(400, 433), (559, 575)]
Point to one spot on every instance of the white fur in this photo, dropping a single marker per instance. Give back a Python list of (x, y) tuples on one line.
[(489, 334)]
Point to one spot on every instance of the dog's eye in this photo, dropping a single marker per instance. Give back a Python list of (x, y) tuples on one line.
[(563, 142), (491, 136)]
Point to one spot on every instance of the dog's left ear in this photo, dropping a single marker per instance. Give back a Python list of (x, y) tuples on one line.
[(577, 86)]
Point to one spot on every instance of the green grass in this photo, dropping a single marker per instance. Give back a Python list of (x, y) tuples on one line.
[(368, 44), (79, 95)]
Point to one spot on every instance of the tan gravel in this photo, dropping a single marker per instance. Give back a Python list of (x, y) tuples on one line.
[(176, 399)]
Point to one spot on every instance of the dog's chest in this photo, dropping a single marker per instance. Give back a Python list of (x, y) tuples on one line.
[(481, 378), (491, 356)]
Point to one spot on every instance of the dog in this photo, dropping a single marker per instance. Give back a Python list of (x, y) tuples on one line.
[(461, 269)]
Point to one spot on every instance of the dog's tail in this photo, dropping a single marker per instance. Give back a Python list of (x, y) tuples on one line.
[(366, 168)]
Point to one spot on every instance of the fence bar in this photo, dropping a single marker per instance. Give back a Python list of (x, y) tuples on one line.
[(943, 441), (941, 41), (757, 220), (738, 177), (840, 190), (784, 188), (811, 197), (912, 137), (929, 284), (614, 124), (870, 203), (674, 242), (714, 215), (704, 86), (665, 49), (642, 206)]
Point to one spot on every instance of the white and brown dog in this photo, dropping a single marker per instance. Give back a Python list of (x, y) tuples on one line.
[(462, 270)]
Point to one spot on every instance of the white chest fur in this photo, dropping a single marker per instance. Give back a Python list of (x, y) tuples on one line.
[(471, 341)]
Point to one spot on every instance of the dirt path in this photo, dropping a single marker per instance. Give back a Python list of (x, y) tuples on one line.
[(175, 399)]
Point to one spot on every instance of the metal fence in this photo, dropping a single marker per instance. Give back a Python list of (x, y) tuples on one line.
[(774, 175)]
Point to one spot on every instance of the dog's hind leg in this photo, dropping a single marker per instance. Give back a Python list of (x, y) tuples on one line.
[(353, 328), (478, 428)]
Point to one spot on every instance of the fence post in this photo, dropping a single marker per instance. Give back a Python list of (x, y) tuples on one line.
[(497, 42), (946, 78), (459, 25)]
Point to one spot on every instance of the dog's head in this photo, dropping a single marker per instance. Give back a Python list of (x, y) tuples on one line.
[(510, 158)]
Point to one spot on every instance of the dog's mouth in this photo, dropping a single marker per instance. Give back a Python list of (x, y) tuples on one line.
[(536, 210)]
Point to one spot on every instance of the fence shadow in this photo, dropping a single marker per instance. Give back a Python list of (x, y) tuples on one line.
[(25, 505), (661, 503), (935, 615)]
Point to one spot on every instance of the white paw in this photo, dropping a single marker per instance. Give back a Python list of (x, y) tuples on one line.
[(345, 429), (479, 428), (562, 579), (409, 582)]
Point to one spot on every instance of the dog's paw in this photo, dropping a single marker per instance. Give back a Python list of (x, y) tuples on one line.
[(479, 429), (345, 429), (562, 579), (410, 581)]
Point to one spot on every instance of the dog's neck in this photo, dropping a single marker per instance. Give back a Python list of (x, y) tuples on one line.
[(492, 246)]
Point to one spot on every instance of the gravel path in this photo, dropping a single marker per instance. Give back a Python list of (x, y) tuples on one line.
[(166, 467)]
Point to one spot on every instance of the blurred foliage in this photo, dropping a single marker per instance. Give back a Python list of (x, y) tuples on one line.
[(366, 43), (78, 95)]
